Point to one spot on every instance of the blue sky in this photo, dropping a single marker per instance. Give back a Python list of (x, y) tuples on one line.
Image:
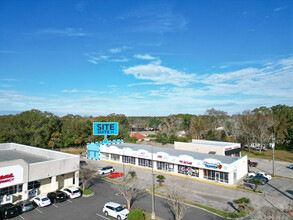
[(151, 58)]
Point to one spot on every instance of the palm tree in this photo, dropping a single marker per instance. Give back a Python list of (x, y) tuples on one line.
[(132, 174), (161, 179), (256, 183)]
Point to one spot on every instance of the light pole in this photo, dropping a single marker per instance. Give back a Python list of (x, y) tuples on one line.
[(273, 147), (153, 199)]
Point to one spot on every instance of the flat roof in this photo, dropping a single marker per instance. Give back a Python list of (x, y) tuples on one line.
[(174, 152), (6, 155), (215, 143)]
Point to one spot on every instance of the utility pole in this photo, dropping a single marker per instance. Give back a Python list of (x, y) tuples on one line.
[(153, 200)]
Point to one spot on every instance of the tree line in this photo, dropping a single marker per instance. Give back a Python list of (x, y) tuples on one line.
[(44, 129)]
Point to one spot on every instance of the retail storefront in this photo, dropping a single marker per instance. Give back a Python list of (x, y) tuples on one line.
[(216, 168), (26, 171)]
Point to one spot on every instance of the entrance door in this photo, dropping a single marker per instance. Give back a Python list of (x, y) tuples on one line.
[(217, 177)]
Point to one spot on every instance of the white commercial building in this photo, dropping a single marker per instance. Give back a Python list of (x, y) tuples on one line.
[(211, 147), (216, 168), (27, 171)]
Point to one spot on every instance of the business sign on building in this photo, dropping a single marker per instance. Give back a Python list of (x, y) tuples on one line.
[(212, 163), (11, 175), (105, 128)]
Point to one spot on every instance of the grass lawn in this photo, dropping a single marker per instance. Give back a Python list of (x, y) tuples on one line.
[(280, 155), (73, 150)]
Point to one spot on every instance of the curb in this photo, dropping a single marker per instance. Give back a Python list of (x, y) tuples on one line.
[(86, 196)]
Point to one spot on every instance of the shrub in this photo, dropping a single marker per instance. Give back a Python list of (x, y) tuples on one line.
[(135, 214)]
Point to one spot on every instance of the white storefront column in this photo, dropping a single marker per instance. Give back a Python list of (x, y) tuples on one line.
[(53, 183), (175, 168), (24, 191), (76, 177), (200, 173), (136, 161)]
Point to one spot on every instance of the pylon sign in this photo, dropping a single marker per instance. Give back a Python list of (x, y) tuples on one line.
[(105, 128)]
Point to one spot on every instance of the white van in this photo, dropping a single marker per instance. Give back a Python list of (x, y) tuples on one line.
[(104, 170)]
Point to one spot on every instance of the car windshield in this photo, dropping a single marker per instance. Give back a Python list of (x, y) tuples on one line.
[(119, 208), (28, 205), (76, 191), (45, 199)]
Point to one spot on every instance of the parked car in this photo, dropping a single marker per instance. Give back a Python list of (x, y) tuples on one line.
[(57, 196), (263, 174), (250, 175), (25, 206), (115, 210), (104, 170), (258, 148), (291, 166), (42, 201), (72, 192), (251, 163), (82, 162), (262, 180), (115, 175), (8, 211)]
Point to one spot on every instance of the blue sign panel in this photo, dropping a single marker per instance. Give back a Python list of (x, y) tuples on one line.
[(105, 128)]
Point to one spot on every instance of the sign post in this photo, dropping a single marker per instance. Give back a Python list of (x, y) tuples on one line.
[(105, 128)]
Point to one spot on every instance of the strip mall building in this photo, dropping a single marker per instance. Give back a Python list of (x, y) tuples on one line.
[(27, 171), (211, 167)]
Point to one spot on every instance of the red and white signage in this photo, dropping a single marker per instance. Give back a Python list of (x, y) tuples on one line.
[(11, 175)]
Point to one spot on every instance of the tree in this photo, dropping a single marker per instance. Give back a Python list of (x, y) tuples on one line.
[(256, 183), (176, 197), (161, 179), (85, 175), (129, 189), (135, 214), (55, 138)]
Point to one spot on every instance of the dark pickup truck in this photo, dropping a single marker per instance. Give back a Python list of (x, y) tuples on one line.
[(251, 163)]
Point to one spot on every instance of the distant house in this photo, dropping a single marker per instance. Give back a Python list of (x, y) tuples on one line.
[(138, 136)]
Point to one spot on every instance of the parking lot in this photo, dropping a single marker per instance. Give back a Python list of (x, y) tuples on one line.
[(91, 207)]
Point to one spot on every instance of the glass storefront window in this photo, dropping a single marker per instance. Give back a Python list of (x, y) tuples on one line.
[(144, 162), (11, 190), (115, 157), (165, 166), (127, 159), (216, 175), (104, 156), (191, 171)]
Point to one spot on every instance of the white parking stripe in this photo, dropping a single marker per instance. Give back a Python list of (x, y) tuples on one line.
[(21, 217), (39, 210), (55, 206), (69, 201), (101, 216)]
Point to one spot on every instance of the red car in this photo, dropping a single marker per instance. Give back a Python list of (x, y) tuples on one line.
[(115, 174)]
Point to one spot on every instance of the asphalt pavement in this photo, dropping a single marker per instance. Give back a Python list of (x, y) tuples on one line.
[(91, 208)]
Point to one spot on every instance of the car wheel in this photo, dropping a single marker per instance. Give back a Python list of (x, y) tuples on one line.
[(119, 217), (102, 173), (106, 213)]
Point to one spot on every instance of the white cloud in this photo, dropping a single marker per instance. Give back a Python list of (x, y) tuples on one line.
[(159, 74), (70, 32), (144, 57), (118, 49), (79, 91), (14, 95), (280, 8)]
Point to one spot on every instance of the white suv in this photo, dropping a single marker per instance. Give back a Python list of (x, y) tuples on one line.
[(72, 192), (115, 210), (104, 170)]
